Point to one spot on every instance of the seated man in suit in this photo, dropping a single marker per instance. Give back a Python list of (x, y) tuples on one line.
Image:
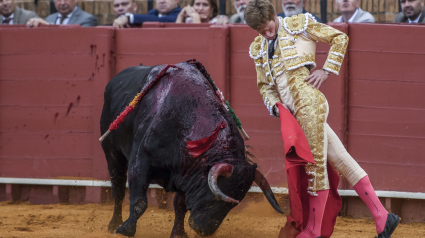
[(294, 7), (121, 7), (166, 11), (240, 6), (68, 13), (412, 12), (351, 12), (11, 14)]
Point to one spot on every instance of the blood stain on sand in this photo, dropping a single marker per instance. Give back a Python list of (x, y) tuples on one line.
[(252, 218)]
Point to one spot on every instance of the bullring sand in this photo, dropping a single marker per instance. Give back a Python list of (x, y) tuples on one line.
[(250, 219)]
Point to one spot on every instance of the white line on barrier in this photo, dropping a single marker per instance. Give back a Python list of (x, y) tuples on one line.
[(253, 189)]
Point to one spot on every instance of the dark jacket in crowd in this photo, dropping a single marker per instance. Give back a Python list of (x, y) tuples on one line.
[(304, 11), (401, 18), (78, 17), (21, 16), (153, 15)]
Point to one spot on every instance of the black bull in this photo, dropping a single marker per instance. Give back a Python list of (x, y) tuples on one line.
[(151, 144)]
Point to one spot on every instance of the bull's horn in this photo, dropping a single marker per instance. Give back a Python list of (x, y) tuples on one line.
[(261, 181), (221, 169)]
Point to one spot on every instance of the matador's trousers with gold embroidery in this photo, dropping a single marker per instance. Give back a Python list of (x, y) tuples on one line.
[(311, 111)]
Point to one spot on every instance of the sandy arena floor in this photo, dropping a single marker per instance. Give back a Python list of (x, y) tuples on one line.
[(250, 220)]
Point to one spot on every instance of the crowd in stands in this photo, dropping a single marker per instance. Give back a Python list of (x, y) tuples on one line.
[(68, 13), (198, 11), (166, 11)]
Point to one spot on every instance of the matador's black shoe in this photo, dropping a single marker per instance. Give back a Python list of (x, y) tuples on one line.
[(390, 225)]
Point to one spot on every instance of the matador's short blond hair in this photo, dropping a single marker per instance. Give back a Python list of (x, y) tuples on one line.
[(258, 13)]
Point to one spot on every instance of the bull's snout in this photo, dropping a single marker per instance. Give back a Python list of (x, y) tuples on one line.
[(203, 225)]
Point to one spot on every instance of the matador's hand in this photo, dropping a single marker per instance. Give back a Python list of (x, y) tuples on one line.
[(316, 78), (275, 110)]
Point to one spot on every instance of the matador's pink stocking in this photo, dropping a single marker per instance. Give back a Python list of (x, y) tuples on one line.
[(366, 192), (317, 208)]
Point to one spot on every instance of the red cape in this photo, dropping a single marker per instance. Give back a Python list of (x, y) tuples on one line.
[(297, 154)]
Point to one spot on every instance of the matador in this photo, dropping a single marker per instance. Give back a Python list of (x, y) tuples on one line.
[(284, 54)]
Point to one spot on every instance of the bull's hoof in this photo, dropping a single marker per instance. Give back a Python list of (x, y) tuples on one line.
[(127, 229), (114, 224)]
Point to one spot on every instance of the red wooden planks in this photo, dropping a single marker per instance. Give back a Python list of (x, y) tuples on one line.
[(48, 67), (39, 81), (46, 145), (389, 149), (45, 167), (46, 93), (388, 121), (387, 66), (170, 45), (387, 38), (386, 111), (396, 177), (161, 40), (51, 93), (48, 41), (48, 118)]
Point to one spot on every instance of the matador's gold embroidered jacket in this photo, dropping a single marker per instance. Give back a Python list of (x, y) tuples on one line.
[(296, 47)]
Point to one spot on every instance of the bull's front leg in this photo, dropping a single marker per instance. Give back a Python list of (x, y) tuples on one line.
[(180, 212), (138, 184)]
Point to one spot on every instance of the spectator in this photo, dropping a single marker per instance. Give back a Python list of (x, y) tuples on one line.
[(122, 7), (240, 6), (201, 11), (166, 11), (413, 12), (294, 7), (68, 13), (350, 12), (11, 14)]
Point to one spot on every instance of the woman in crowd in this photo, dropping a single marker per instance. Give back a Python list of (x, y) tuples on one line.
[(201, 11)]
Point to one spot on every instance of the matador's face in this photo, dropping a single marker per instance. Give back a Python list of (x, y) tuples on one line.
[(270, 29)]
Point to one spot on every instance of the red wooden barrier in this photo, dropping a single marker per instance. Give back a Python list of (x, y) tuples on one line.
[(173, 25), (51, 92), (170, 45), (386, 110), (52, 81)]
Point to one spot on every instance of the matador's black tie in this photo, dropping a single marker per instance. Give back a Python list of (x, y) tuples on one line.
[(271, 47)]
